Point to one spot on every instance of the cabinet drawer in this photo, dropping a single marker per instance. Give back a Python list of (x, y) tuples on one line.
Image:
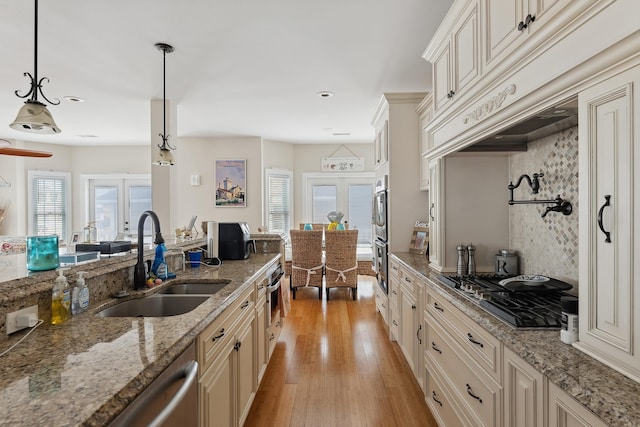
[(273, 332), (477, 392), (408, 282), (482, 346), (394, 269), (441, 404), (212, 339), (382, 303), (394, 292), (394, 324)]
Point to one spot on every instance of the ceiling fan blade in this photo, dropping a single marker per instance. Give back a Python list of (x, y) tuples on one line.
[(10, 151), (24, 153)]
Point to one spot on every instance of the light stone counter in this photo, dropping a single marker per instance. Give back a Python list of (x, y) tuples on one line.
[(88, 369), (606, 392)]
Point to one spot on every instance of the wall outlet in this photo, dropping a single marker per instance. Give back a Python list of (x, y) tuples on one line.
[(12, 318)]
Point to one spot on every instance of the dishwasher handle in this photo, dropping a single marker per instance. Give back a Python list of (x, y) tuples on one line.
[(189, 372)]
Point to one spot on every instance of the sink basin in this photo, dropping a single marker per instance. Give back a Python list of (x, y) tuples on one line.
[(154, 306), (195, 288)]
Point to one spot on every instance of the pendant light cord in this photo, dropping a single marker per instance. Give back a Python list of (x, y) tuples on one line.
[(165, 138)]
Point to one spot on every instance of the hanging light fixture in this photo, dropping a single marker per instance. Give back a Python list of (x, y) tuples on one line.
[(34, 117), (163, 156)]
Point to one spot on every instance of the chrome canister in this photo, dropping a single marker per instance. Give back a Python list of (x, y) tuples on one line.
[(506, 262)]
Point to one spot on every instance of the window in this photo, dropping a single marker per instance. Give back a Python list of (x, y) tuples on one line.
[(350, 193), (49, 203), (278, 200), (116, 203)]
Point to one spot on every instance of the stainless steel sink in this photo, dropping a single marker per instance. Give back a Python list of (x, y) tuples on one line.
[(195, 288), (154, 306)]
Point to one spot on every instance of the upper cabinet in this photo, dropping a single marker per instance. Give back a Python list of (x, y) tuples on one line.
[(456, 59), (425, 111), (508, 23)]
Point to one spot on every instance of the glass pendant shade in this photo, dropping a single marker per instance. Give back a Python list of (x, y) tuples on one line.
[(34, 117), (163, 157)]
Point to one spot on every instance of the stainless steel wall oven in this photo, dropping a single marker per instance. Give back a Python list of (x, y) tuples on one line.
[(380, 229)]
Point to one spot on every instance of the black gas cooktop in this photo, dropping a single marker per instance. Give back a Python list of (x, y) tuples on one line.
[(522, 304)]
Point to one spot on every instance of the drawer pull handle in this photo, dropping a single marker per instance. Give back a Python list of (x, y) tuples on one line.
[(470, 338), (437, 307), (217, 337), (383, 306), (261, 287), (433, 396), (237, 345), (607, 234), (272, 337), (418, 334), (413, 306), (394, 323), (433, 206), (433, 346), (394, 292), (278, 324), (245, 305), (473, 395)]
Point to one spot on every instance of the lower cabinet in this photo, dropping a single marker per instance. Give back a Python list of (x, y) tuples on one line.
[(523, 392), (228, 373), (565, 411)]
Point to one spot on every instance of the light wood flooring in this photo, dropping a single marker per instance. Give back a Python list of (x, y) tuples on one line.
[(335, 366)]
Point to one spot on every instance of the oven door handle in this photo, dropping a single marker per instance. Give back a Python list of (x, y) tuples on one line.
[(273, 287)]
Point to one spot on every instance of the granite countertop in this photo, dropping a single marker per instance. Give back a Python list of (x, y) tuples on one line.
[(606, 392), (88, 369)]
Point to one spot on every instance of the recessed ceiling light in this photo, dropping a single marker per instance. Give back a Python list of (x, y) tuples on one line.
[(74, 99), (325, 94)]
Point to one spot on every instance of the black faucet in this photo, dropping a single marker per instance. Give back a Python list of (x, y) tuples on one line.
[(140, 272)]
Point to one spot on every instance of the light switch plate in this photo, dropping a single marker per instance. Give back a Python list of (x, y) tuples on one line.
[(12, 318)]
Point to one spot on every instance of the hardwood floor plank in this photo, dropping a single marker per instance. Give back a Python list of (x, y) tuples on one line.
[(334, 365)]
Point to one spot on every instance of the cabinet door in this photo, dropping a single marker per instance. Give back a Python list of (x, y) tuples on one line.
[(442, 77), (609, 222), (523, 393), (435, 172), (465, 51), (262, 345), (408, 322), (245, 352), (216, 391), (564, 411)]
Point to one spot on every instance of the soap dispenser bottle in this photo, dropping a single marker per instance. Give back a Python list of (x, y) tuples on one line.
[(80, 295), (60, 299)]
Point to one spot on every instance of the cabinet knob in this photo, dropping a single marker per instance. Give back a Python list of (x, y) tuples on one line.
[(237, 345)]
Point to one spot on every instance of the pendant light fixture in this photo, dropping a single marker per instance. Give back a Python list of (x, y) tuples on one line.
[(34, 117), (163, 156)]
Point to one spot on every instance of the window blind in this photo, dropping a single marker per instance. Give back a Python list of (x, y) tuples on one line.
[(278, 201), (49, 212)]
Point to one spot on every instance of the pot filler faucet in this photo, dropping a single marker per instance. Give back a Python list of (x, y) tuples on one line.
[(560, 205), (140, 273)]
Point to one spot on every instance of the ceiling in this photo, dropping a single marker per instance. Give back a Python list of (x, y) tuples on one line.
[(240, 67)]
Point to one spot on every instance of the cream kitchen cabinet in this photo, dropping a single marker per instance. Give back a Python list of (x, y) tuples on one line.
[(456, 57), (382, 304), (425, 111), (565, 411), (226, 351), (394, 299), (262, 343), (409, 319), (609, 113), (523, 392), (436, 172), (508, 23), (381, 145)]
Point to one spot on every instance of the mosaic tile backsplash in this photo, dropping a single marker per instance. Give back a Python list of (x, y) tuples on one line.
[(549, 245)]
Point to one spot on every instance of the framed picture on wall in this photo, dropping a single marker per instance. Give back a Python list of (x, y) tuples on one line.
[(230, 185)]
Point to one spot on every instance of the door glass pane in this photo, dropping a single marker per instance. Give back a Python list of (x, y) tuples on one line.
[(323, 202), (360, 211), (106, 212), (139, 201)]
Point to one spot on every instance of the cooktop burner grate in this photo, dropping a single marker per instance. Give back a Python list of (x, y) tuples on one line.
[(534, 308)]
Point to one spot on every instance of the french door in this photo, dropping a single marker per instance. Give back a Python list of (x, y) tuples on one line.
[(350, 194), (116, 203)]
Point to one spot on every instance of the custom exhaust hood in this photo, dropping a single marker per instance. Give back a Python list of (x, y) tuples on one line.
[(544, 123)]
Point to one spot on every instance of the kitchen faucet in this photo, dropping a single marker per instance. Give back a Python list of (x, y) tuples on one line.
[(140, 272)]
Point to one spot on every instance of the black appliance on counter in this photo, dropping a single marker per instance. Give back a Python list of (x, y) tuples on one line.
[(521, 304), (234, 241)]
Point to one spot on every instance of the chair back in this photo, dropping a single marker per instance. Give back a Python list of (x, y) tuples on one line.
[(340, 256)]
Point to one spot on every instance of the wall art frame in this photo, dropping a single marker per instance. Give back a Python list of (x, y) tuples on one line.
[(230, 183)]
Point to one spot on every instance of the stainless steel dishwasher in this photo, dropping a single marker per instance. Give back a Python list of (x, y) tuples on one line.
[(170, 400)]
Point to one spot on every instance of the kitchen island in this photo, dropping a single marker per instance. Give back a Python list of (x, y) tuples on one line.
[(604, 391), (89, 369)]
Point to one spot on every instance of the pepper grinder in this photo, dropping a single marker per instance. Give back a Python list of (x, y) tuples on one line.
[(462, 267), (471, 267)]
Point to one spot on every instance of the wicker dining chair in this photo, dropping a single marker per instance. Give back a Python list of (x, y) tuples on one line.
[(341, 264), (306, 260)]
